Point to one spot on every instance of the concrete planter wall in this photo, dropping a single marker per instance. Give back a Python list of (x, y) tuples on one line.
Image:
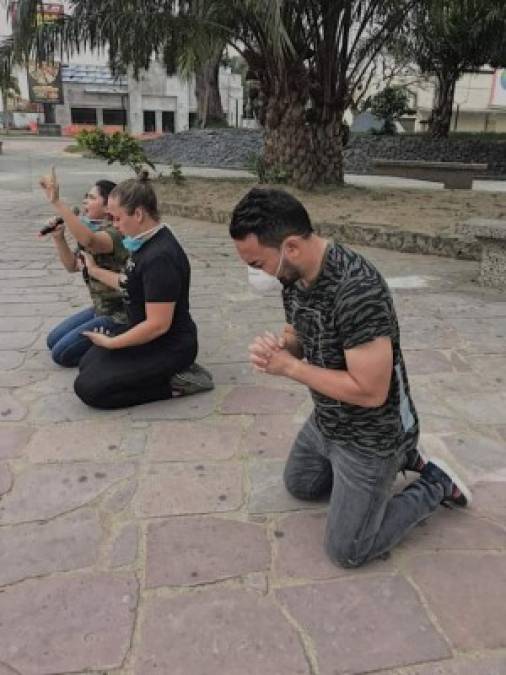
[(407, 241), (363, 148)]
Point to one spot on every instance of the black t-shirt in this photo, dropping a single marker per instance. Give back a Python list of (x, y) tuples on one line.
[(349, 304), (160, 272)]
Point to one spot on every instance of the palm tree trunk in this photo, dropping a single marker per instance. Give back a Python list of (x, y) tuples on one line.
[(207, 91), (6, 119), (441, 117), (310, 153)]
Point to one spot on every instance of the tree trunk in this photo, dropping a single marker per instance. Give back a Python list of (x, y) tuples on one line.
[(310, 153), (207, 91), (441, 117), (5, 123)]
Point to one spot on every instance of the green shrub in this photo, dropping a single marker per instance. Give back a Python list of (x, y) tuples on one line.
[(117, 147), (267, 174), (176, 175)]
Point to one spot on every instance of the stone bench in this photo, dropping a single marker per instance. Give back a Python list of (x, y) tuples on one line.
[(454, 175), (491, 236)]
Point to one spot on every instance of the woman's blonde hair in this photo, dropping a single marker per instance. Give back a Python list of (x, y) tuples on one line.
[(137, 193)]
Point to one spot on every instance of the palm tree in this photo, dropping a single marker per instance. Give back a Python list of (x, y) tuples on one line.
[(8, 83), (449, 37), (133, 32), (307, 57)]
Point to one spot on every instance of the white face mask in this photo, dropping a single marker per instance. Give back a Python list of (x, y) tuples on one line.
[(263, 283)]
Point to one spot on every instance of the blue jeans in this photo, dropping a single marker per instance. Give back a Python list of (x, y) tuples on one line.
[(364, 520), (66, 342)]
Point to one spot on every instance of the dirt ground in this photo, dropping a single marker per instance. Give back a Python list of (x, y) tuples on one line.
[(434, 211)]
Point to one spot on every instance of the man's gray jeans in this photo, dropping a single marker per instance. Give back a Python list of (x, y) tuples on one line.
[(364, 520)]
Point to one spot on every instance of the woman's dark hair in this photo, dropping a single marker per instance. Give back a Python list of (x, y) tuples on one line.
[(271, 215), (105, 187), (137, 193)]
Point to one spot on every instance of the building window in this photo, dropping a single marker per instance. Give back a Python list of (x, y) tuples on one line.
[(149, 121), (83, 116), (168, 126), (115, 117)]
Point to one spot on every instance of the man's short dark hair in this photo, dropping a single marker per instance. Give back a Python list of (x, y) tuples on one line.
[(271, 215)]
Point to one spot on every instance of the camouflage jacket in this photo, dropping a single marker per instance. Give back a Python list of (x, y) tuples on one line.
[(108, 301)]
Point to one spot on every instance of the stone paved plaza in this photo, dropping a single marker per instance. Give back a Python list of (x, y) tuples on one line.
[(161, 540)]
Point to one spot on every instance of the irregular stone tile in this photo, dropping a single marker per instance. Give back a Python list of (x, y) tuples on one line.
[(184, 408), (61, 309), (63, 407), (233, 373), (426, 362), (179, 489), (477, 451), (470, 586), (67, 624), (126, 543), (18, 340), (435, 335), (215, 438), (121, 497), (338, 614), (451, 384), (489, 500), (43, 492), (441, 424), (460, 364), (474, 665), (486, 408), (271, 436), (61, 380), (450, 529), (268, 493), (211, 633), (189, 551), (75, 441), (6, 479), (11, 359), (13, 441), (133, 442), (39, 360), (13, 379), (262, 401), (11, 410), (19, 324), (67, 543), (300, 550)]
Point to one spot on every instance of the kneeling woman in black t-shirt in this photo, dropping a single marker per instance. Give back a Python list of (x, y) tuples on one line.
[(137, 366)]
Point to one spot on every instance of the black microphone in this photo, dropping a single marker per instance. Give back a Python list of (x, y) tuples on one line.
[(59, 221)]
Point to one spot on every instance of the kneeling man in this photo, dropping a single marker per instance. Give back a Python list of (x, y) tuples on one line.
[(342, 341)]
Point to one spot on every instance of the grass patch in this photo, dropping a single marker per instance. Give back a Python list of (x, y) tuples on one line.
[(73, 149)]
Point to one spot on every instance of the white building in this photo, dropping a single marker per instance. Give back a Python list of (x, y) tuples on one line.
[(156, 103), (479, 105)]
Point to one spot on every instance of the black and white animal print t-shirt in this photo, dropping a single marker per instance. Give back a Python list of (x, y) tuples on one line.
[(349, 304)]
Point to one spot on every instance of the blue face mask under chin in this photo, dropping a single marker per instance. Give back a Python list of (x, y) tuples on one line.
[(132, 244), (93, 225)]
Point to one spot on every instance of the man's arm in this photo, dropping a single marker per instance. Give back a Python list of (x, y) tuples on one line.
[(365, 383), (290, 341)]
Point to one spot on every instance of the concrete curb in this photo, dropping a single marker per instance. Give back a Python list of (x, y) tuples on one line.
[(405, 241)]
